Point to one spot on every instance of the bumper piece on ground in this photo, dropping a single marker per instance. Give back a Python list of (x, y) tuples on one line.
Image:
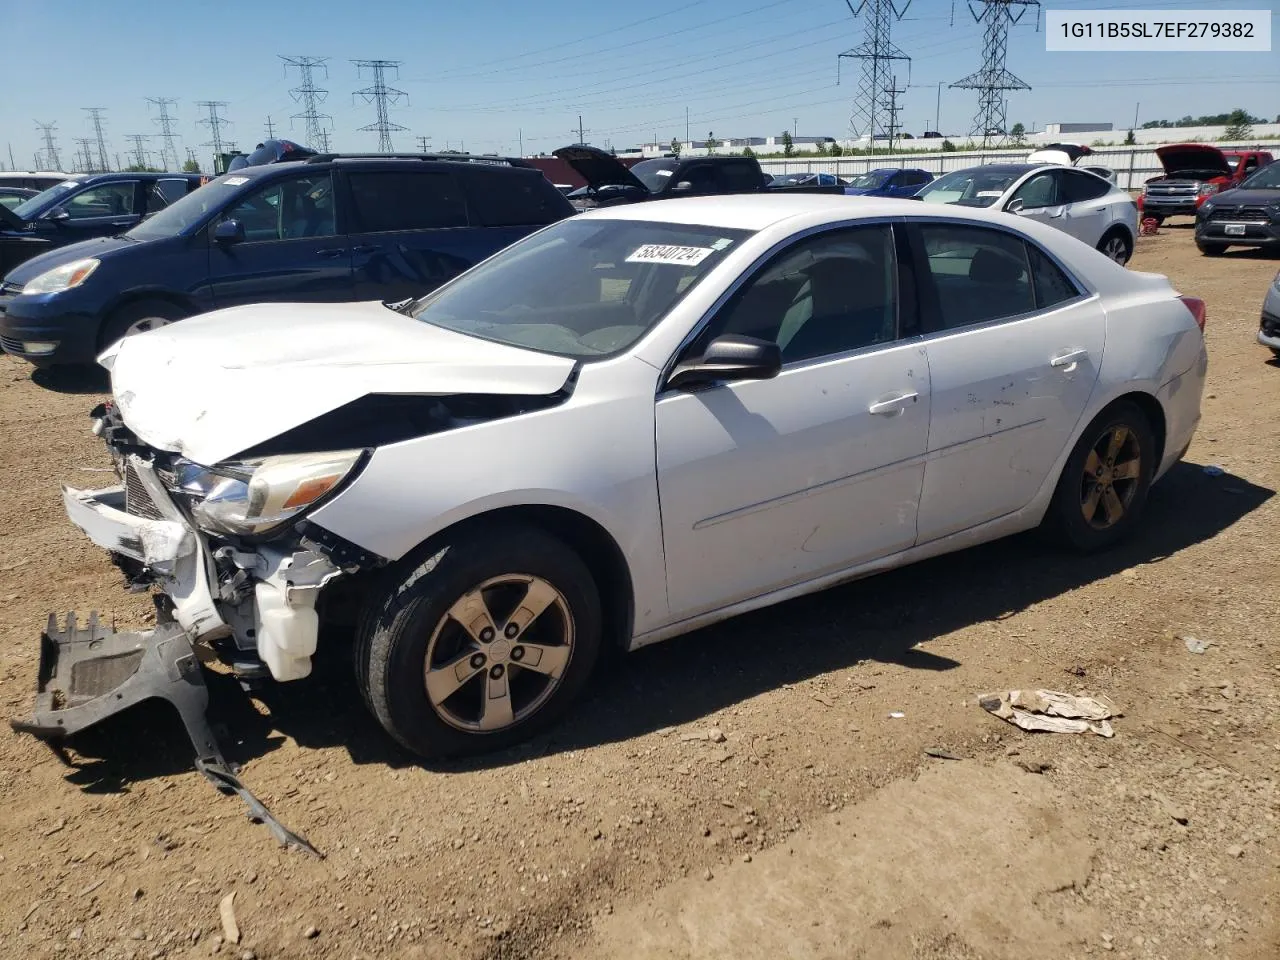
[(88, 674)]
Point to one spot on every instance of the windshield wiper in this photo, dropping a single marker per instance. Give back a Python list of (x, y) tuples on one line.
[(401, 306)]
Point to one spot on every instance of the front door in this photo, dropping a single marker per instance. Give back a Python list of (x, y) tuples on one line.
[(1039, 198), (1014, 350), (101, 210), (292, 251), (774, 482)]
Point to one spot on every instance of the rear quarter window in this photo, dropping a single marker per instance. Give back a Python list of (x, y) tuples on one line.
[(505, 200)]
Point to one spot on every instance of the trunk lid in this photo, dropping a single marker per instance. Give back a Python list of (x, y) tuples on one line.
[(219, 383)]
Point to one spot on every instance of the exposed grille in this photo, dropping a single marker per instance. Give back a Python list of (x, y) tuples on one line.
[(1241, 214), (8, 289), (1172, 189), (137, 501), (9, 344)]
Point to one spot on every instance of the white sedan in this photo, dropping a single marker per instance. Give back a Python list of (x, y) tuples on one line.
[(1088, 207), (629, 425)]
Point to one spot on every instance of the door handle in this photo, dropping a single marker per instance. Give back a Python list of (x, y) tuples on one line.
[(892, 405), (1068, 359), (331, 252), (364, 248), (123, 223)]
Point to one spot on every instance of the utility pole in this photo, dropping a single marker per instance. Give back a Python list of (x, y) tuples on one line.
[(1136, 107), (520, 137), (877, 53), (168, 150), (139, 141), (382, 97), (993, 78), (191, 158), (271, 130), (95, 115), (937, 112), (13, 164), (310, 96), (795, 127), (423, 145), (582, 133), (215, 123), (686, 124), (50, 149)]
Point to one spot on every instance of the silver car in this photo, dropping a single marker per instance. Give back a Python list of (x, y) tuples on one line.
[(1269, 329)]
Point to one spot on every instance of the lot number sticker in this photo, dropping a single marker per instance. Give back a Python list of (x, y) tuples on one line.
[(663, 253)]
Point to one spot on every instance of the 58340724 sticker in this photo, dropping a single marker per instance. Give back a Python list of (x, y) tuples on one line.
[(666, 253)]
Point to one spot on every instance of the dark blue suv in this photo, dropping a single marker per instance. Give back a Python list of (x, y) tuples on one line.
[(82, 206), (329, 228)]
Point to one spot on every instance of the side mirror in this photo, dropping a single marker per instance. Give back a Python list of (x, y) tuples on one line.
[(682, 187), (1014, 205), (229, 231), (730, 357), (58, 215)]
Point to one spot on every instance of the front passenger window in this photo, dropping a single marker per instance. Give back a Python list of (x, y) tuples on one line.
[(825, 295), (287, 209), (1040, 191)]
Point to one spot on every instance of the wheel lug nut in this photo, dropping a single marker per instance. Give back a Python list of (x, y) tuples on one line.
[(486, 635), (517, 653), (496, 671), (511, 630), (477, 661)]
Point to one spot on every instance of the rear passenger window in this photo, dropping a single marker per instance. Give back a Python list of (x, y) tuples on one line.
[(1052, 285), (163, 192), (1081, 187), (740, 176), (979, 274), (511, 200), (391, 200)]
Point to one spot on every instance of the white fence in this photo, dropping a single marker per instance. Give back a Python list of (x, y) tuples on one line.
[(1133, 165)]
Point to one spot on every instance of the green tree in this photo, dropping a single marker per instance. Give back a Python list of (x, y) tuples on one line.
[(788, 147), (1239, 125), (821, 148), (1129, 139), (191, 166), (1019, 134), (948, 146), (836, 149), (712, 142), (748, 152), (675, 146)]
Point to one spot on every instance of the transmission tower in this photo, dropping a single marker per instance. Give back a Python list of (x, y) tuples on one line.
[(215, 124), (994, 79), (95, 114), (381, 96), (169, 150), (310, 96), (50, 149), (139, 141), (876, 100), (84, 156)]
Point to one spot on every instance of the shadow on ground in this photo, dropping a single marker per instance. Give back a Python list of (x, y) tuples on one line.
[(883, 618), (78, 379)]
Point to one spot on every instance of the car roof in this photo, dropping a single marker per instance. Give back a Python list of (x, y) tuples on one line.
[(761, 211)]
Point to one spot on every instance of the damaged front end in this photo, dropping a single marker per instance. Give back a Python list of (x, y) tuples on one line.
[(238, 573)]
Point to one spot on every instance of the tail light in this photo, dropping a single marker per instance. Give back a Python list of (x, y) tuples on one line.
[(1196, 306)]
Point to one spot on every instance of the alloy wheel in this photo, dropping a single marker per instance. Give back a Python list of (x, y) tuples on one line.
[(1112, 471), (1117, 250), (499, 653), (144, 325)]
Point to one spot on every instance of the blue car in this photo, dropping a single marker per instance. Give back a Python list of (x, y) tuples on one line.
[(888, 182), (330, 228), (84, 206)]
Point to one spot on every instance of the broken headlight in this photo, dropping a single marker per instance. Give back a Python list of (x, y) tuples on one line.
[(253, 496)]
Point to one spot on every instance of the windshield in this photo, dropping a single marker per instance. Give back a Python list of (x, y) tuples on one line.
[(655, 174), (30, 209), (1268, 178), (792, 179), (580, 288), (870, 181), (185, 213), (970, 188)]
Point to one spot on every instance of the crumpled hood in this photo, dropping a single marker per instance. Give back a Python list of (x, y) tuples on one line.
[(97, 247), (219, 383)]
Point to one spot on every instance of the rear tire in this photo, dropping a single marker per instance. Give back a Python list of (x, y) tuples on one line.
[(138, 317), (1212, 249), (443, 689), (1116, 245), (1104, 485)]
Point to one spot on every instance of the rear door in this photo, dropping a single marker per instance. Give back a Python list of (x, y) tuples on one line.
[(1088, 213), (293, 247), (410, 231)]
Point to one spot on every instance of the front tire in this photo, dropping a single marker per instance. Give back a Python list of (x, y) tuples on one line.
[(1212, 249), (1104, 485), (481, 644), (138, 317)]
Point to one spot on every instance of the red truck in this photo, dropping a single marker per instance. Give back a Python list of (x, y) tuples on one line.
[(1193, 172)]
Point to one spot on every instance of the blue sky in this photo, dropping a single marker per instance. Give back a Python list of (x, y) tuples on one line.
[(477, 75)]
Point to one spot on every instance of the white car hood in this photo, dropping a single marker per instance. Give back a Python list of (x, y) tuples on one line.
[(215, 385)]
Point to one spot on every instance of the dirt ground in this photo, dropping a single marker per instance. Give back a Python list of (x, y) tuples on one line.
[(816, 828)]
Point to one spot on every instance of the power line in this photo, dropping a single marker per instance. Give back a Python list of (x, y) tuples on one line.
[(95, 115), (382, 97), (168, 149), (993, 79), (215, 123), (139, 141), (310, 96), (876, 99), (50, 148)]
